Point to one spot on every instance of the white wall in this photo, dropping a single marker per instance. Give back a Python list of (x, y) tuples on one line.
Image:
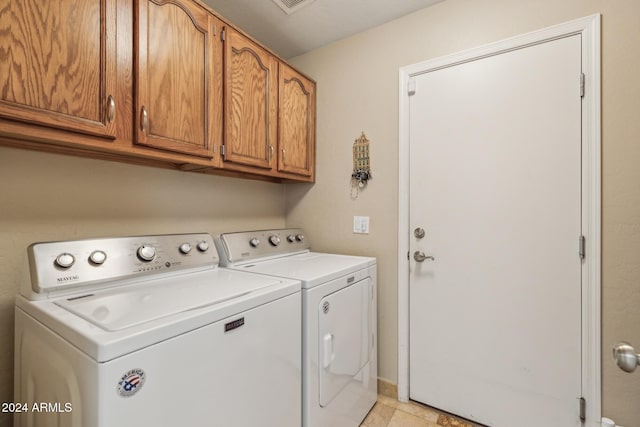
[(357, 90)]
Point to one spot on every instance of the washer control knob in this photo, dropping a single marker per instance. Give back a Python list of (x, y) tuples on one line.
[(146, 253), (255, 242), (274, 240), (203, 246), (65, 260), (291, 238), (299, 237), (185, 248), (98, 257)]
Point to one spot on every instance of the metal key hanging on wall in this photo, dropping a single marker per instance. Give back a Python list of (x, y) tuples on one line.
[(361, 165)]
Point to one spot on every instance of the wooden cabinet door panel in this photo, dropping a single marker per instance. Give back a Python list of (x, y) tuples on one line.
[(58, 63), (296, 122), (179, 69), (251, 100)]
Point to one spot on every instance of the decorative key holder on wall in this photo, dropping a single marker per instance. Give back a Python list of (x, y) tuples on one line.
[(361, 165)]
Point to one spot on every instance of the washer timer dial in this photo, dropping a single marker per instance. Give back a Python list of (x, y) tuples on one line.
[(98, 257), (146, 253), (65, 260), (274, 240)]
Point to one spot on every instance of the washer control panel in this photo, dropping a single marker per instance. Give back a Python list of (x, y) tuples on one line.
[(57, 266), (249, 245)]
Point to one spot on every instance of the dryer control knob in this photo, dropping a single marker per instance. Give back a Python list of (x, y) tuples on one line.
[(98, 257), (291, 238), (65, 260), (146, 253), (299, 237), (254, 242), (203, 246), (274, 240), (185, 248)]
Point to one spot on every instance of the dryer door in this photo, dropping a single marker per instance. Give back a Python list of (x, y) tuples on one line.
[(345, 325)]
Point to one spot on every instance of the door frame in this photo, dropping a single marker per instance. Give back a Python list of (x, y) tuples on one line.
[(589, 28)]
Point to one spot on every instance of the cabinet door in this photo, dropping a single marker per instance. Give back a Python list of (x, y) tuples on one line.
[(58, 64), (178, 91), (296, 120), (251, 102)]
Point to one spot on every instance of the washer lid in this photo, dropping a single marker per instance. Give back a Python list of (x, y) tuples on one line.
[(312, 268), (127, 306)]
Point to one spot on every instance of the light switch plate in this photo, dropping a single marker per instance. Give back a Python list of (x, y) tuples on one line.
[(361, 224)]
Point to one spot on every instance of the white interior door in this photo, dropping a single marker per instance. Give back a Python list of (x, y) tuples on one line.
[(495, 182)]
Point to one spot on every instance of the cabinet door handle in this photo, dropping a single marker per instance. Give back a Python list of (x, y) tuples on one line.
[(111, 109), (283, 154), (144, 119), (270, 153)]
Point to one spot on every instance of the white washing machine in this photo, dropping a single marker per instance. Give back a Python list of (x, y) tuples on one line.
[(339, 338), (147, 331)]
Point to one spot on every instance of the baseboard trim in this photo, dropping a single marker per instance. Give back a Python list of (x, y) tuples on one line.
[(387, 388)]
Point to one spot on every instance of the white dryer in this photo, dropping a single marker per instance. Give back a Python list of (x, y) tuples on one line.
[(147, 331), (339, 337)]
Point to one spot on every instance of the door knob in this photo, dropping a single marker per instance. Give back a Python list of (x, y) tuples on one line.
[(625, 356), (419, 256), (419, 233)]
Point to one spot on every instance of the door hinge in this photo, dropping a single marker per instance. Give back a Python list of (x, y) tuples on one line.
[(581, 85), (582, 247), (223, 34), (223, 151), (408, 256), (411, 86), (583, 409)]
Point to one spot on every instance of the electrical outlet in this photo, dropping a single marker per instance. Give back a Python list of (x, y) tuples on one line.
[(361, 224)]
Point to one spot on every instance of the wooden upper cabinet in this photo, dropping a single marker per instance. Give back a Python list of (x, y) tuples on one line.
[(251, 102), (179, 77), (58, 64), (165, 80), (296, 123)]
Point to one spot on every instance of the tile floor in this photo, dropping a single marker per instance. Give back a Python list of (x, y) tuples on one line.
[(388, 412)]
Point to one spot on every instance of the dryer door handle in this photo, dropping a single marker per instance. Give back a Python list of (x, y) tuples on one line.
[(328, 354)]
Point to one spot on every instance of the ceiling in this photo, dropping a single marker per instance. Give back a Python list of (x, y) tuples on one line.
[(317, 23)]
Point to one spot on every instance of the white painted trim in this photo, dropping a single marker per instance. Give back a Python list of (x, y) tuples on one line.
[(591, 221), (403, 240), (589, 29)]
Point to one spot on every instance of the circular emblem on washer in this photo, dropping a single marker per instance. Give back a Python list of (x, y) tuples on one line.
[(131, 382), (325, 307)]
